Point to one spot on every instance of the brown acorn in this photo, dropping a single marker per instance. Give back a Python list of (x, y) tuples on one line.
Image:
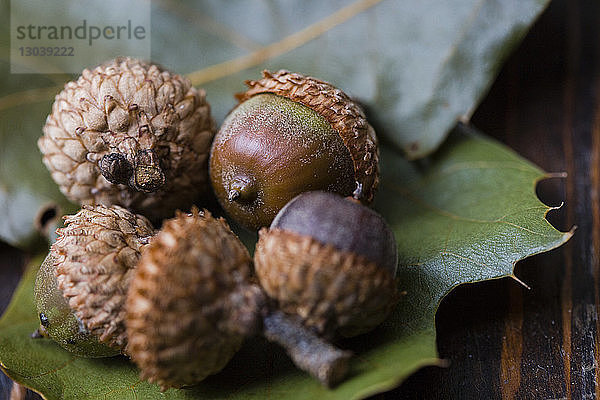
[(291, 134), (81, 287), (330, 260), (193, 301), (130, 133)]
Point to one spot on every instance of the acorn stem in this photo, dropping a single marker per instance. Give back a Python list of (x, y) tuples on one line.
[(39, 333), (233, 195), (308, 351), (148, 175), (242, 189)]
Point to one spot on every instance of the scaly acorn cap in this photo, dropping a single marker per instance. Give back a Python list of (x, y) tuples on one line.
[(344, 115), (331, 261), (130, 133), (186, 306), (95, 256), (333, 291)]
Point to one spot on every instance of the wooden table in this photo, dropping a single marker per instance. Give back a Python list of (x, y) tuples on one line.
[(502, 340)]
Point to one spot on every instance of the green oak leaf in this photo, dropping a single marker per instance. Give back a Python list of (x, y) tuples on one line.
[(420, 65), (466, 214)]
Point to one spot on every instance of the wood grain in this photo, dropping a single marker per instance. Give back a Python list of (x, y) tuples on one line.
[(567, 138), (595, 201), (512, 346), (545, 104)]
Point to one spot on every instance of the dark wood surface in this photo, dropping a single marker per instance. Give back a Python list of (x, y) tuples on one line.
[(501, 339)]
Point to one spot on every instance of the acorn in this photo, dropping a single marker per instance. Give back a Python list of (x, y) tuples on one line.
[(193, 301), (58, 320), (130, 133), (291, 134), (81, 287), (330, 261)]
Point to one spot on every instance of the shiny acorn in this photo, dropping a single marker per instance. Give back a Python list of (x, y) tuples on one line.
[(291, 134), (331, 261)]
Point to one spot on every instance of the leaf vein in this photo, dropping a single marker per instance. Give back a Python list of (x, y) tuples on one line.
[(419, 201), (540, 207), (478, 263), (52, 371), (478, 165), (523, 228), (37, 95), (211, 26), (118, 390), (283, 46)]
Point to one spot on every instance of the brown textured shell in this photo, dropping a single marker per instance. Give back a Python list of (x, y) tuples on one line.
[(95, 257), (126, 106), (344, 115), (180, 320), (333, 291)]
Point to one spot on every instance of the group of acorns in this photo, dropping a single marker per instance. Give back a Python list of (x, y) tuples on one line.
[(296, 154)]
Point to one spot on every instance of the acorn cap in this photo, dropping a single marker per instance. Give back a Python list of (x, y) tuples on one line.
[(183, 307), (95, 256), (330, 260), (333, 291), (344, 115), (126, 129)]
